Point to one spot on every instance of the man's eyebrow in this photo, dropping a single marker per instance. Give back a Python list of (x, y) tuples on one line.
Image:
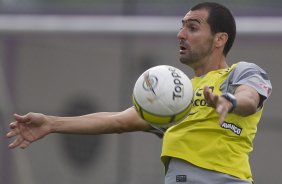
[(190, 20)]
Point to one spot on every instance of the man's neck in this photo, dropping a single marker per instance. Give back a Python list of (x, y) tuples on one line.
[(210, 64)]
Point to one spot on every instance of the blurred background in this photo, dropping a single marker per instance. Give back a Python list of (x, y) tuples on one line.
[(69, 57)]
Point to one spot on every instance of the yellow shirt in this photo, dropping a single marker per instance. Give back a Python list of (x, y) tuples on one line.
[(200, 140)]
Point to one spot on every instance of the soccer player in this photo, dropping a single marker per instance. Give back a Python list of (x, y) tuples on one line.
[(210, 146)]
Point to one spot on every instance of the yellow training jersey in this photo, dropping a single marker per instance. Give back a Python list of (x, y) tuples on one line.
[(200, 140)]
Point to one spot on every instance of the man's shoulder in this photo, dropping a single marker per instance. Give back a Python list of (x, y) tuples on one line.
[(247, 66)]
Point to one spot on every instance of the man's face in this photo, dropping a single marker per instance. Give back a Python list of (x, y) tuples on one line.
[(196, 39)]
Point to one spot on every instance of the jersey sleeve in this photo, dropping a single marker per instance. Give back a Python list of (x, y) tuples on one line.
[(158, 131), (252, 75)]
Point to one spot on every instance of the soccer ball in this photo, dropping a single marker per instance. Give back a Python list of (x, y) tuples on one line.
[(162, 95)]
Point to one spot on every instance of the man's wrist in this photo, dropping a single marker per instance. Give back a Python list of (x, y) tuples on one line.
[(232, 99), (51, 124)]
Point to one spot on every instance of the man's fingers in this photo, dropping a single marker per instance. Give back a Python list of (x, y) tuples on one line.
[(24, 144), (222, 114), (222, 111), (16, 142), (22, 119), (221, 119), (13, 125), (211, 98), (12, 133), (206, 93), (214, 101)]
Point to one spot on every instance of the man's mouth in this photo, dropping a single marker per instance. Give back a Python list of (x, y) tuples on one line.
[(182, 49)]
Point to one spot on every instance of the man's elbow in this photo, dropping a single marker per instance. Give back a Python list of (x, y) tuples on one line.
[(247, 111), (124, 127)]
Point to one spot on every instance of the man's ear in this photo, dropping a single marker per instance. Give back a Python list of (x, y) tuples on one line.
[(220, 39)]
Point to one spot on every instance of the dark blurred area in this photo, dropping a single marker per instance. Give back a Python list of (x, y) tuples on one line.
[(133, 7), (82, 66)]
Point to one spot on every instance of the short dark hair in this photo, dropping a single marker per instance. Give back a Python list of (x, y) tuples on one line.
[(220, 20)]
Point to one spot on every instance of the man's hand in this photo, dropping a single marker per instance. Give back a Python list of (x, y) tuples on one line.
[(220, 104), (27, 129), (33, 126)]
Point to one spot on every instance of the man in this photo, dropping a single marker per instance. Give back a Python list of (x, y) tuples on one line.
[(211, 146)]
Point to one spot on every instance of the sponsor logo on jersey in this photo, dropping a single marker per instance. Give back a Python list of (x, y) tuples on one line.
[(181, 178), (234, 128), (199, 99)]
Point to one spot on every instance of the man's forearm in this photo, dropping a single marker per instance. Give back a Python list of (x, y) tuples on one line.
[(98, 123), (247, 100)]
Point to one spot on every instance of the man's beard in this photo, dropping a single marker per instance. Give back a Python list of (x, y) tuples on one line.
[(193, 57)]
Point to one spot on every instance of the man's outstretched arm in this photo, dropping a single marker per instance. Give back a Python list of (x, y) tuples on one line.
[(33, 126)]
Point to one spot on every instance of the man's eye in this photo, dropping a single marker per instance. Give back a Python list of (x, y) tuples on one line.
[(192, 28)]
